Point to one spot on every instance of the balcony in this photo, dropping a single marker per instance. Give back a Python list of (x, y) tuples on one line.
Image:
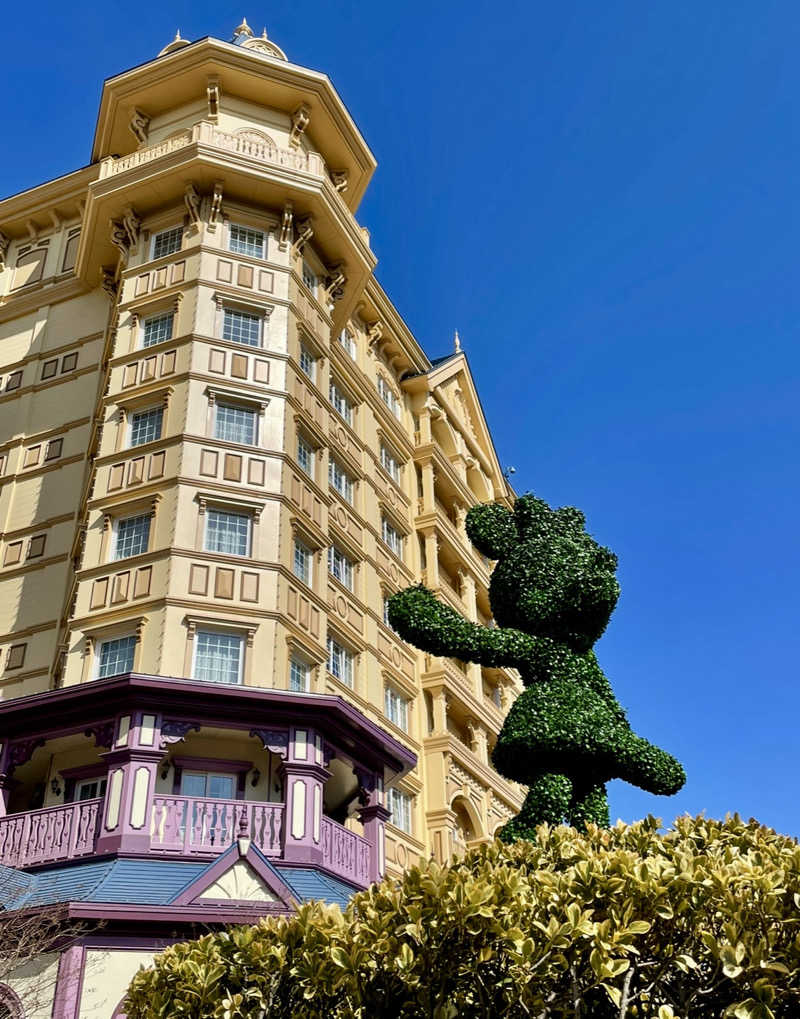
[(283, 762)]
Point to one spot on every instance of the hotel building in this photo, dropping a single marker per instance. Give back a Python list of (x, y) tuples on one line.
[(221, 451)]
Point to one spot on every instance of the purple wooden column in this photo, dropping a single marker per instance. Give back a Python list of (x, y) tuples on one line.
[(304, 777), (5, 778), (69, 983), (373, 816), (132, 764)]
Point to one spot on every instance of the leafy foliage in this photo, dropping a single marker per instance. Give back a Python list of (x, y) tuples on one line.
[(699, 923), (552, 592)]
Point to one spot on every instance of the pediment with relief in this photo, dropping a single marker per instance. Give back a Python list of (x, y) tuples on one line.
[(240, 884)]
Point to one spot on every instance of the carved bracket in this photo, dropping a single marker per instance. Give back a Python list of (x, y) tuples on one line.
[(191, 199), (301, 118), (103, 733), (139, 125), (175, 732), (274, 740), (109, 282), (340, 180), (286, 226), (21, 752), (336, 282), (212, 96), (215, 208), (305, 231), (5, 243)]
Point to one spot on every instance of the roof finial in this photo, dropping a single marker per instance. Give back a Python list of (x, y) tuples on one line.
[(243, 29), (457, 342)]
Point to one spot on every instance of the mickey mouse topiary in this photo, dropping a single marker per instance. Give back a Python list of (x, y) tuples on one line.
[(552, 593)]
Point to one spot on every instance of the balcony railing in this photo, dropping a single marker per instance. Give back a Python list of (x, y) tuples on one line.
[(190, 826), (344, 852), (50, 835), (242, 144)]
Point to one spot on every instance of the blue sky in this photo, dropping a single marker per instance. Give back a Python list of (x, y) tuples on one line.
[(602, 198)]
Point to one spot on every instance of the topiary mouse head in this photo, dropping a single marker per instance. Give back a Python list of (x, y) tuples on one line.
[(552, 579)]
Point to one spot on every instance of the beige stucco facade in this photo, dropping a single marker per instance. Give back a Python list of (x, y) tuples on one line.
[(259, 168)]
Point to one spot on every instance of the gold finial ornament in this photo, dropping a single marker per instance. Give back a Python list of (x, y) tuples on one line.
[(243, 29)]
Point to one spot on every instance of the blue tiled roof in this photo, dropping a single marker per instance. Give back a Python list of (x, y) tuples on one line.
[(310, 883), (142, 882)]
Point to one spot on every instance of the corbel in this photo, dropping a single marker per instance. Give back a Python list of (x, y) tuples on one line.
[(139, 125), (305, 231), (5, 244), (374, 335), (33, 231), (340, 180), (212, 97), (191, 198), (154, 503), (286, 226), (132, 225), (301, 118), (109, 282), (216, 205), (119, 238), (335, 282), (55, 219)]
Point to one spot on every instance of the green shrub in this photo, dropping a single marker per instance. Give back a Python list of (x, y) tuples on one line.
[(700, 922)]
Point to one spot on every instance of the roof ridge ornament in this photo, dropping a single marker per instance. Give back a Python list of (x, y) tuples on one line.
[(177, 44), (243, 36), (457, 343)]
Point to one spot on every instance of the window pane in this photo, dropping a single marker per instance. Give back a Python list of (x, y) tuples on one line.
[(390, 464), (392, 537), (228, 533), (156, 330), (221, 787), (341, 404), (302, 562), (307, 362), (245, 241), (132, 536), (116, 656), (241, 327), (340, 567), (340, 662), (218, 657), (167, 242), (309, 278), (193, 784), (298, 676), (235, 424), (400, 805), (340, 480), (347, 340), (146, 426)]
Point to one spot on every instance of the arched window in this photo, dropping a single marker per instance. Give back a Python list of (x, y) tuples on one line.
[(10, 1005)]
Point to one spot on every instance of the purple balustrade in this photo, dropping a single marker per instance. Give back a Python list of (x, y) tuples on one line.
[(192, 826), (345, 853), (50, 835)]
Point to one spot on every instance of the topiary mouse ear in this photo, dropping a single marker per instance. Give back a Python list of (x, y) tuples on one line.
[(491, 529)]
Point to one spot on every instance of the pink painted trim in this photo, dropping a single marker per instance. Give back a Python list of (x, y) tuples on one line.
[(173, 915), (223, 863), (69, 983)]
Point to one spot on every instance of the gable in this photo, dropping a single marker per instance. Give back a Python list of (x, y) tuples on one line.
[(240, 874), (240, 883)]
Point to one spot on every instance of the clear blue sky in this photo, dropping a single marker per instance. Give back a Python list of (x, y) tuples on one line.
[(603, 199)]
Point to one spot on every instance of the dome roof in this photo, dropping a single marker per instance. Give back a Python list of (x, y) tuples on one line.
[(177, 44), (243, 36)]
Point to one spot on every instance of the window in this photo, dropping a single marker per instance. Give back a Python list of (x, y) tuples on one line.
[(303, 557), (14, 381), (50, 368), (390, 464), (89, 789), (308, 362), (167, 242), (116, 656), (156, 329), (241, 327), (340, 567), (16, 656), (36, 546), (400, 805), (348, 341), (208, 785), (69, 363), (299, 676), (133, 536), (53, 449), (340, 662), (386, 598), (305, 456), (387, 394), (396, 706), (341, 404), (218, 657), (340, 480), (234, 423), (243, 240), (309, 278), (228, 533), (146, 426), (392, 537)]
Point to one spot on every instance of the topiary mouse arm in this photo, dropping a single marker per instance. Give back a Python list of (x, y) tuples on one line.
[(418, 617)]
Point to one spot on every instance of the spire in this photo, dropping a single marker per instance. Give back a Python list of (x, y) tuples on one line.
[(243, 36), (177, 44), (457, 343), (243, 30)]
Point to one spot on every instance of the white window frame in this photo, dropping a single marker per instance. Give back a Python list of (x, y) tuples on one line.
[(295, 662), (98, 780), (234, 405), (161, 233), (395, 798), (115, 555), (347, 340), (113, 640), (248, 230), (388, 395), (202, 630), (341, 402), (300, 548), (140, 411), (341, 567), (158, 316), (391, 537), (306, 450), (396, 706), (227, 775), (257, 315), (248, 517), (347, 664), (390, 463), (307, 362), (310, 278), (347, 489)]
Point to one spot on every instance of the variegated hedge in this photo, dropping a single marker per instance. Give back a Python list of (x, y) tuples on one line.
[(703, 921)]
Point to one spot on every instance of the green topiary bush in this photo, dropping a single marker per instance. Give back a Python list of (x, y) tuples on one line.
[(699, 923), (552, 593)]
